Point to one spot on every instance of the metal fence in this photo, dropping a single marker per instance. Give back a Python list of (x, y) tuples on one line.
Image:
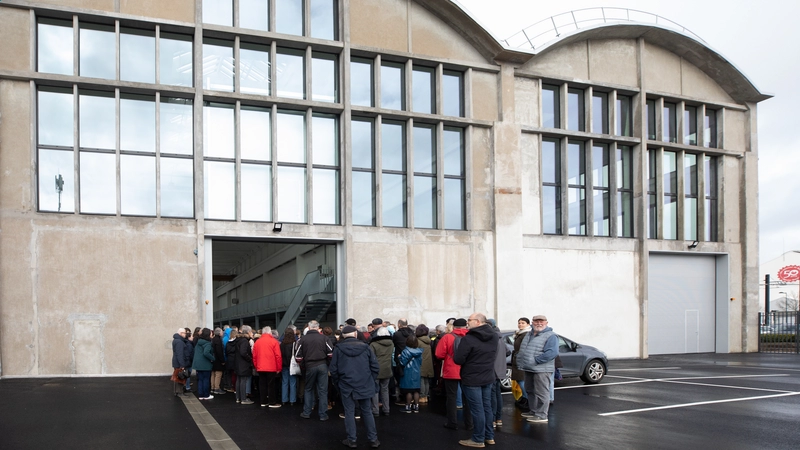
[(778, 332)]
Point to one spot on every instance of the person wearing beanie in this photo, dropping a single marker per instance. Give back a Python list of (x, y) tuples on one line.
[(451, 373)]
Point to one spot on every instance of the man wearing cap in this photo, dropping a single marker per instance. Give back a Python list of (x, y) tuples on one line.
[(451, 373), (352, 322), (377, 323), (536, 358), (354, 370)]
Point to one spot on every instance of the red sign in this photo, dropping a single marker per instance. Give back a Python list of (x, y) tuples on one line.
[(789, 273)]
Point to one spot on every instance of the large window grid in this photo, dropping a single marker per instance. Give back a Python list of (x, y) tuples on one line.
[(681, 122), (114, 51), (264, 162), (311, 18), (146, 146), (421, 180), (406, 86)]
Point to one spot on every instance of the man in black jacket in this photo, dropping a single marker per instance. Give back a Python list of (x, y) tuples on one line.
[(476, 355), (354, 369), (312, 353)]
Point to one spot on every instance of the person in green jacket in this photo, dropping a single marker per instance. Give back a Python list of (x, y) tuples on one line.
[(203, 363), (381, 344)]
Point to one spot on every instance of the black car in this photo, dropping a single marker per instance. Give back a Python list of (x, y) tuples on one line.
[(586, 362)]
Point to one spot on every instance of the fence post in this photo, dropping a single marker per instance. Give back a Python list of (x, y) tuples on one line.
[(760, 321)]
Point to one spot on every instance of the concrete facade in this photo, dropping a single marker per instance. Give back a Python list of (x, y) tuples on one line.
[(102, 294)]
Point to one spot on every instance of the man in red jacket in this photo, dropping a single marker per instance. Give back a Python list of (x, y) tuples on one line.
[(451, 373), (268, 362)]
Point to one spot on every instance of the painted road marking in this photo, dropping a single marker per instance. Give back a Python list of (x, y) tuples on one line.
[(686, 405)]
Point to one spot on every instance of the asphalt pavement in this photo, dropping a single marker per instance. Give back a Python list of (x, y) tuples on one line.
[(732, 401)]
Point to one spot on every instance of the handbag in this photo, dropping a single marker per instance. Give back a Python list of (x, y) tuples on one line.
[(294, 367), (184, 374)]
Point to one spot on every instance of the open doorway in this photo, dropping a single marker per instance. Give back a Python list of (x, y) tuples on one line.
[(273, 283)]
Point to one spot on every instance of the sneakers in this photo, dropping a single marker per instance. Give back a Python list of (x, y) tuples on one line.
[(247, 401), (407, 409), (375, 444), (341, 416), (471, 443), (416, 407), (498, 423), (276, 405), (263, 405), (323, 418), (349, 443), (528, 415), (537, 420), (206, 398), (489, 442), (305, 416)]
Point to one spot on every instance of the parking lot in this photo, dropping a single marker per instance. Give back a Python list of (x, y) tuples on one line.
[(742, 401)]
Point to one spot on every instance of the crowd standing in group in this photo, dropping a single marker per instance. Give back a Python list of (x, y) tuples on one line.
[(364, 367)]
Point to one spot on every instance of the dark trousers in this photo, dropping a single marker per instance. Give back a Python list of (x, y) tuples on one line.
[(268, 387), (451, 386), (358, 407)]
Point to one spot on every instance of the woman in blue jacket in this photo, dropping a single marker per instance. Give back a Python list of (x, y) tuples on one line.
[(411, 361)]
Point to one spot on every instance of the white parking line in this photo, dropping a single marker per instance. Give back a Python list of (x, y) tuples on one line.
[(728, 387), (636, 380), (685, 405), (646, 368)]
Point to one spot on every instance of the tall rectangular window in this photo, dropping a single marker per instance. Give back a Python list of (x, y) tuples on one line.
[(551, 187), (175, 58), (137, 55), (454, 179), (325, 159), (576, 188), (652, 194), (254, 77), (219, 152), (393, 156), (54, 52), (322, 18), (424, 177), (290, 68), (256, 171), (218, 65), (690, 125), (624, 191), (98, 183), (253, 14), (690, 197), (601, 190), (289, 17), (361, 82), (218, 12), (56, 151), (453, 93), (137, 185), (363, 164), (576, 117), (291, 154), (624, 124), (392, 86), (324, 78), (711, 198), (670, 124), (423, 90), (600, 112), (551, 106), (710, 129), (98, 51), (669, 167), (650, 105)]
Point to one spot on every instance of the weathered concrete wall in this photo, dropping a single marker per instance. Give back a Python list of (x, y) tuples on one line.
[(379, 23), (432, 36), (180, 10), (568, 61), (484, 95), (15, 34), (613, 61)]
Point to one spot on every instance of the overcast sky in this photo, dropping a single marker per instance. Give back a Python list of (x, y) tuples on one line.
[(761, 39)]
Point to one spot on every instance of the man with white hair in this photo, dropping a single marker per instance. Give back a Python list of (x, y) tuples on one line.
[(268, 362), (536, 357), (354, 369), (312, 353)]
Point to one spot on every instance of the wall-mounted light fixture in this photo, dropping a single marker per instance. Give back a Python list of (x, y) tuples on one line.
[(693, 245), (277, 227)]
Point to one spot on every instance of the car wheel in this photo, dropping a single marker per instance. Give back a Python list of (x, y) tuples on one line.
[(505, 383), (594, 372)]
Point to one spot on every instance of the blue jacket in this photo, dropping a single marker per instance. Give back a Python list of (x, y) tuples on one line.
[(411, 360), (354, 369), (538, 351), (226, 335)]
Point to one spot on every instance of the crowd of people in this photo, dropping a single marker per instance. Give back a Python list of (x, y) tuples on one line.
[(363, 368)]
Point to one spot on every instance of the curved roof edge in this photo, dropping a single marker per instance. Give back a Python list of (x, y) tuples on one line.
[(710, 61), (698, 53)]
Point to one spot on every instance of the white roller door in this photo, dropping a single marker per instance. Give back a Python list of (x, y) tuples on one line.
[(681, 304)]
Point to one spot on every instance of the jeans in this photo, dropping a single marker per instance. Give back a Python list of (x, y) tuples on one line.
[(349, 403), (316, 377), (382, 396), (268, 387), (288, 386), (241, 387), (480, 403), (203, 383), (538, 386), (459, 396), (522, 386), (497, 400), (424, 386), (452, 389)]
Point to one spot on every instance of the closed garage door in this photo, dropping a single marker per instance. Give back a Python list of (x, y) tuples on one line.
[(681, 304)]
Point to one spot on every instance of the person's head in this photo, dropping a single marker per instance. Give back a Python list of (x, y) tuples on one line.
[(349, 331), (188, 332), (459, 323), (266, 331), (181, 332), (275, 334), (382, 331), (313, 325), (411, 341), (217, 331), (337, 334), (225, 327), (377, 322), (247, 331), (476, 319), (402, 323), (370, 328), (421, 330), (196, 331), (440, 330), (350, 321), (539, 323), (523, 323), (205, 333), (327, 331), (288, 336)]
